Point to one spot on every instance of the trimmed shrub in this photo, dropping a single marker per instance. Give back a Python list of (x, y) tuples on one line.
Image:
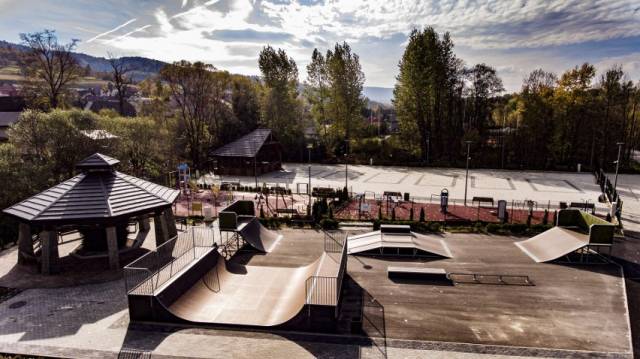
[(329, 223), (493, 228), (422, 214)]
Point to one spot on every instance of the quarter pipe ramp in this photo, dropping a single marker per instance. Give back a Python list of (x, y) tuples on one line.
[(257, 235), (552, 244)]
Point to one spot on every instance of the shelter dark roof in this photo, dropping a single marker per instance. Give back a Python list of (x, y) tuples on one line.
[(246, 146), (94, 196), (97, 160)]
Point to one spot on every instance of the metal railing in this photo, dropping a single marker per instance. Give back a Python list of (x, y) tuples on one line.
[(149, 272), (321, 290), (326, 290), (332, 244)]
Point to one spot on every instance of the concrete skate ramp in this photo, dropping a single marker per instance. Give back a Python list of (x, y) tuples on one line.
[(250, 295), (257, 235), (552, 244), (377, 240)]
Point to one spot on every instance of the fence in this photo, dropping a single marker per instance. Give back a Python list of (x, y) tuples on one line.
[(326, 290), (149, 272)]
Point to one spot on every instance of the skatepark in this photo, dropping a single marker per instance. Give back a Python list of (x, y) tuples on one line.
[(232, 287), (495, 292)]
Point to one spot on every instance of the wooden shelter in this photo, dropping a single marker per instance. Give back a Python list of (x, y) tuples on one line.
[(99, 202), (251, 155)]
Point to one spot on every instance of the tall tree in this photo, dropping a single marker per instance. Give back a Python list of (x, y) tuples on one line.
[(245, 102), (484, 84), (536, 125), (317, 89), (281, 111), (428, 93), (192, 86), (49, 65), (346, 79), (120, 75)]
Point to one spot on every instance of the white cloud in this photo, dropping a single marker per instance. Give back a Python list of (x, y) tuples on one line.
[(225, 32)]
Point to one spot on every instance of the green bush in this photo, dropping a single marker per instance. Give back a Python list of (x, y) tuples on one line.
[(493, 228), (435, 226), (422, 215), (517, 228), (329, 223)]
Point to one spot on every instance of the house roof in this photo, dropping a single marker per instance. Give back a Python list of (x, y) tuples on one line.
[(246, 146), (94, 195)]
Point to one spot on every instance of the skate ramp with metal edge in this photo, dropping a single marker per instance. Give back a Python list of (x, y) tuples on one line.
[(250, 295), (554, 243), (257, 235), (400, 238), (575, 230), (215, 292)]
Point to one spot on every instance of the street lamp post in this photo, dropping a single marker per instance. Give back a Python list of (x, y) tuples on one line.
[(346, 165), (428, 134), (466, 177), (615, 181), (309, 147), (255, 170)]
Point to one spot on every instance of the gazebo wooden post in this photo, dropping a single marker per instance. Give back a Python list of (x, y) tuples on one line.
[(112, 247), (49, 253), (25, 243), (172, 231), (160, 225), (144, 224)]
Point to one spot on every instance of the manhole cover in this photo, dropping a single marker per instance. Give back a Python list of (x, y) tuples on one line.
[(18, 304)]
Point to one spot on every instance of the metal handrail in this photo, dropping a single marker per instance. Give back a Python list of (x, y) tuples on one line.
[(163, 263)]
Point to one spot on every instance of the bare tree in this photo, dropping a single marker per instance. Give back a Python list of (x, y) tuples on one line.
[(49, 65), (192, 86), (121, 79)]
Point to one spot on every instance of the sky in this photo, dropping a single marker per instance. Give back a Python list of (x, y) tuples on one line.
[(514, 36)]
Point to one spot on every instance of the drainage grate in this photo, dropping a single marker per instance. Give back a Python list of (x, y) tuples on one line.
[(126, 353)]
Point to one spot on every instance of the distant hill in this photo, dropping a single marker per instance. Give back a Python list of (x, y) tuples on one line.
[(379, 94), (143, 68)]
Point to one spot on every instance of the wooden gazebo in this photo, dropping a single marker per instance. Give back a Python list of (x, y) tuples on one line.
[(100, 202)]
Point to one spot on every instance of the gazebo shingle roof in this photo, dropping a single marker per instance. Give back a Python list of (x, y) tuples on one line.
[(94, 195), (246, 146)]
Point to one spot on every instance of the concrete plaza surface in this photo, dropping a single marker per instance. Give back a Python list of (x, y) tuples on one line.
[(571, 312), (546, 188)]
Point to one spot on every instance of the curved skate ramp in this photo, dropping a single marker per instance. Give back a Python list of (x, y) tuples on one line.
[(552, 244), (368, 243), (250, 295), (257, 235)]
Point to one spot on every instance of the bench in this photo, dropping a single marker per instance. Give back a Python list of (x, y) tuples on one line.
[(395, 228), (438, 274), (481, 200)]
